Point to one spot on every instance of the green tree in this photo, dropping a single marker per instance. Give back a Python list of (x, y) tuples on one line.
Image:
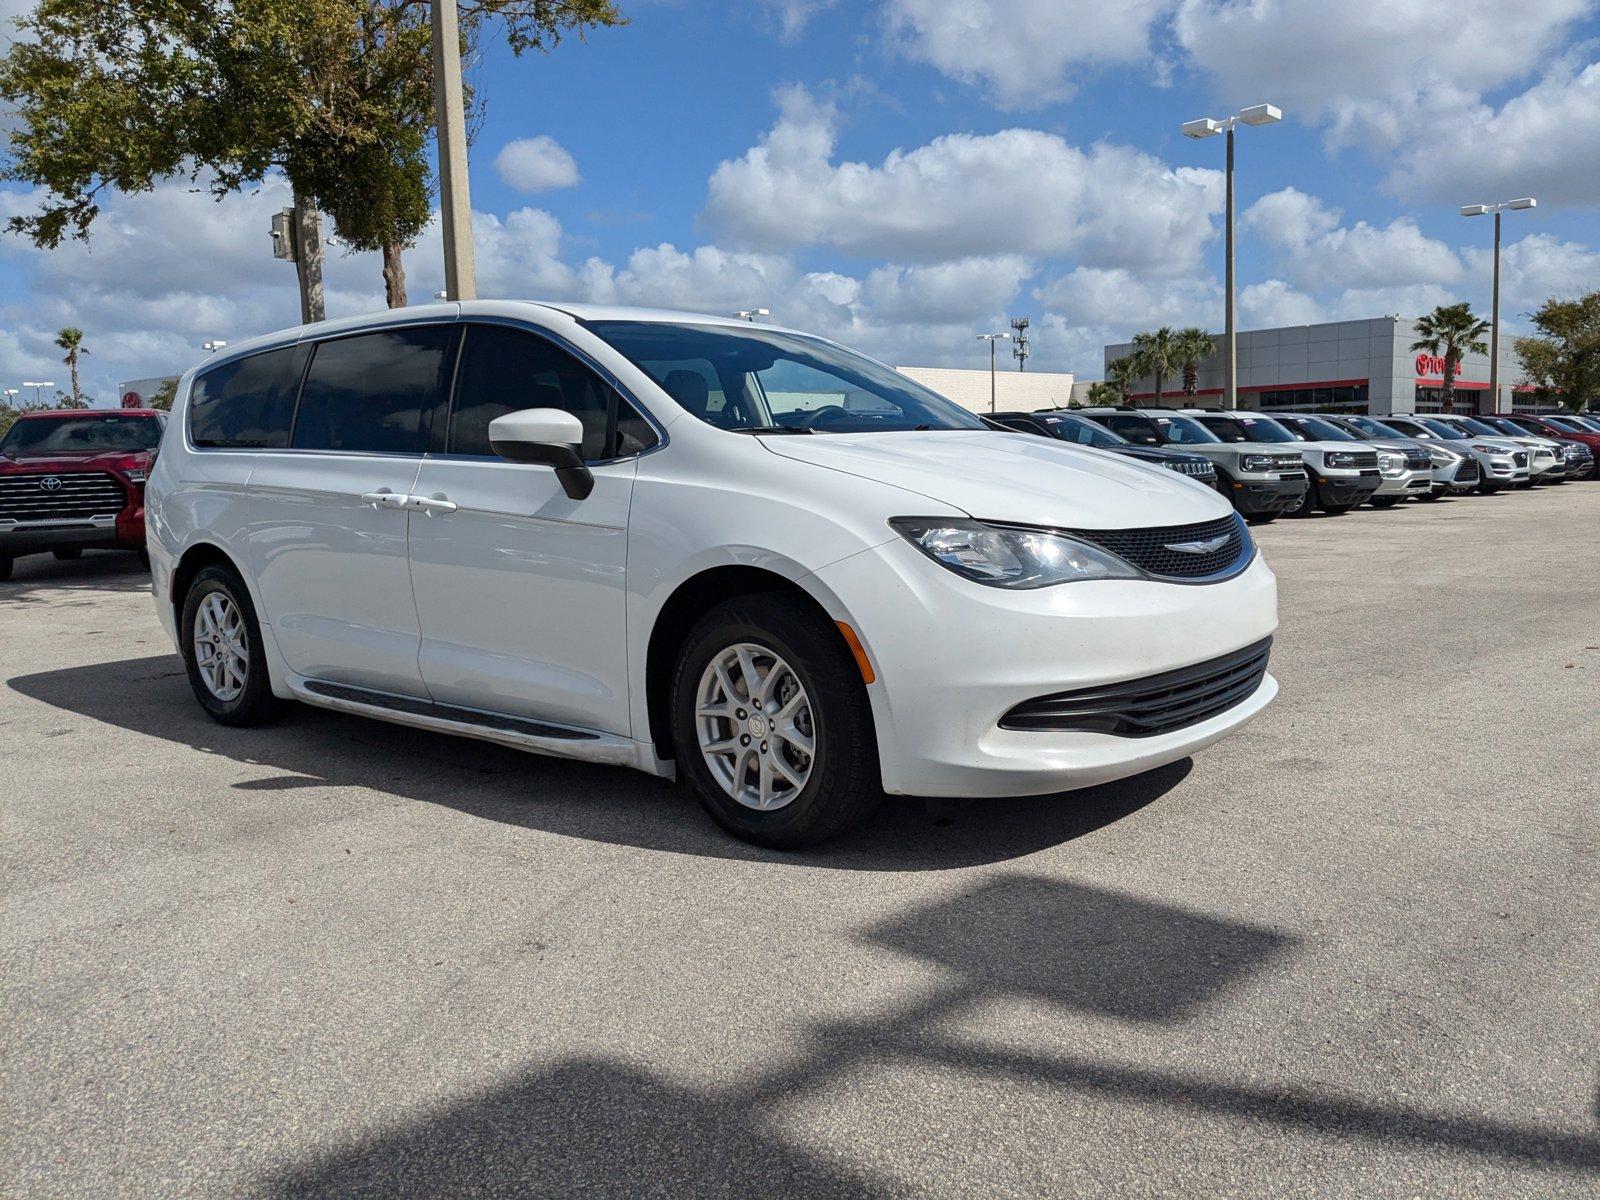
[(1563, 362), (118, 95), (1104, 392), (1122, 373), (1157, 353), (1192, 346), (1451, 331), (164, 395), (70, 339)]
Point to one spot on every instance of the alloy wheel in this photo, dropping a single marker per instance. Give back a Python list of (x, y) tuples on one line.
[(221, 646), (755, 726)]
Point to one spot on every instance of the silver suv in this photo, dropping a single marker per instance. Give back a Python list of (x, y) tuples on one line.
[(1546, 464), (1343, 474), (1453, 471), (1263, 479), (1501, 464), (1402, 471)]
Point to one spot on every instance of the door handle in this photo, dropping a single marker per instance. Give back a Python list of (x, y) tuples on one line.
[(430, 504), (384, 498)]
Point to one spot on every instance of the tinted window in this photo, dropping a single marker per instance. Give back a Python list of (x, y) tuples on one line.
[(505, 370), (1084, 433), (92, 433), (374, 392), (1134, 429), (1248, 429), (249, 402), (1183, 431)]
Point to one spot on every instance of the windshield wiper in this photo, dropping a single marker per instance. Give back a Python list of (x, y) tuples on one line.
[(773, 429)]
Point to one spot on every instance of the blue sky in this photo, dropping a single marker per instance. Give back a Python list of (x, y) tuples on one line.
[(901, 174)]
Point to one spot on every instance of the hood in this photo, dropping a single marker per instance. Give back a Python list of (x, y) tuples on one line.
[(1153, 454), (1014, 477), (102, 460)]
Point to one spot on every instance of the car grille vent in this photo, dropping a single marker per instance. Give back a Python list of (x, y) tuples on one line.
[(1151, 550), (1150, 706), (1520, 458), (73, 497), (1418, 460), (1192, 468)]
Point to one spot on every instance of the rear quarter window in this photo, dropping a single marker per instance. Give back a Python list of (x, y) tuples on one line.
[(248, 403)]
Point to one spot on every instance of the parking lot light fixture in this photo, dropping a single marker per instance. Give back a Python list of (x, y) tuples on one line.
[(992, 338), (1480, 210), (213, 346), (750, 314), (1204, 127), (38, 386)]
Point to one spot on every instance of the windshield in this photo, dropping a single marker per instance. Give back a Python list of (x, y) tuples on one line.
[(1184, 431), (92, 433), (1373, 429), (1249, 429), (1447, 431), (1083, 432), (1316, 429), (1502, 426), (1477, 426), (757, 379)]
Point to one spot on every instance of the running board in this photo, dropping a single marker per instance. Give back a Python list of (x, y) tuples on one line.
[(520, 733), (410, 705)]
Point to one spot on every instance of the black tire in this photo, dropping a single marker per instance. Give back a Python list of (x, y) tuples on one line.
[(844, 784), (68, 553), (1385, 501), (5, 567), (1307, 504), (255, 704)]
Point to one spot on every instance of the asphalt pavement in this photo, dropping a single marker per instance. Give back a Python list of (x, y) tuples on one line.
[(1350, 951)]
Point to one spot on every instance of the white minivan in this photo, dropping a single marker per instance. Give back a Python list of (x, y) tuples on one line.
[(733, 553)]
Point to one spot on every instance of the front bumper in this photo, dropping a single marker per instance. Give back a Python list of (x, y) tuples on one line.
[(1348, 488), (1417, 482), (952, 657), (1274, 495), (102, 533)]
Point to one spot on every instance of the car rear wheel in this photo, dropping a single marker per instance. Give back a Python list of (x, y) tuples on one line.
[(68, 553), (771, 723), (222, 651)]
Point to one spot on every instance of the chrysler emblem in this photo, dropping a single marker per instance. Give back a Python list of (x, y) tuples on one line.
[(1205, 547), (50, 483)]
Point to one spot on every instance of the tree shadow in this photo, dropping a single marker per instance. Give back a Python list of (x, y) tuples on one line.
[(314, 747), (603, 1128), (41, 578)]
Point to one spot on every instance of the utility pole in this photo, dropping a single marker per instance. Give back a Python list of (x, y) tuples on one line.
[(992, 338), (455, 199), (297, 238), (1478, 210)]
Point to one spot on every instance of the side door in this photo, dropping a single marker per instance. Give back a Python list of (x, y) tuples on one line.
[(328, 522), (521, 590)]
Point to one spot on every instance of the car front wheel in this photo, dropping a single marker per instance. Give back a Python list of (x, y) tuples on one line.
[(222, 651), (771, 723)]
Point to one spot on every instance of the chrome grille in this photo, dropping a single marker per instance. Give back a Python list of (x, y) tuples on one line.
[(28, 499), (1467, 472), (1151, 549), (1192, 468)]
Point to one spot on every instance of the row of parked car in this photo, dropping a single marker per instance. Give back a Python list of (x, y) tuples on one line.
[(1272, 464)]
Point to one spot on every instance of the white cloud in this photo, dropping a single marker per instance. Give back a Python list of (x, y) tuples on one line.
[(1318, 252), (1273, 302), (1024, 52), (536, 164), (794, 15), (968, 288), (1118, 299), (1019, 191), (1543, 142)]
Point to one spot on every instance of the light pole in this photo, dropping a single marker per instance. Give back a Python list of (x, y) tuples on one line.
[(1256, 114), (1019, 344), (38, 387), (455, 200), (213, 346), (992, 338), (1478, 210), (750, 314)]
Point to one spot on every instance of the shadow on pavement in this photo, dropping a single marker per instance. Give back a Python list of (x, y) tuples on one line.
[(41, 578), (317, 748), (590, 1126)]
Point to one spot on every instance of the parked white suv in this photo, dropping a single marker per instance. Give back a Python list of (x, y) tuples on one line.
[(695, 546)]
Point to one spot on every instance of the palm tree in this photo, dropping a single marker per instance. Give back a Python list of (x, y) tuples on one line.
[(1192, 346), (70, 339), (1157, 352), (1122, 373), (1104, 392), (1451, 331)]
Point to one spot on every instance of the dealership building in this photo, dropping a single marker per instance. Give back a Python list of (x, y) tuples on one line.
[(1343, 366)]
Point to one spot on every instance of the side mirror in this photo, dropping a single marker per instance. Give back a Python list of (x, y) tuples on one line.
[(544, 435)]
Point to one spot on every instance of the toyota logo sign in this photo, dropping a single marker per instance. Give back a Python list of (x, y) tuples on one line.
[(50, 483), (1430, 364)]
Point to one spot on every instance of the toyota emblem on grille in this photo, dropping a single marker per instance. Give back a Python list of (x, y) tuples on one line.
[(1205, 547), (50, 483)]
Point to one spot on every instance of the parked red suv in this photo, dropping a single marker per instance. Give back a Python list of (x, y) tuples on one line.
[(73, 480), (1561, 425)]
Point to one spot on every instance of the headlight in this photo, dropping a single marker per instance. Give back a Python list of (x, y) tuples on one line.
[(1443, 457), (136, 474), (1261, 462), (1010, 557), (1340, 458), (1391, 462), (1490, 449)]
